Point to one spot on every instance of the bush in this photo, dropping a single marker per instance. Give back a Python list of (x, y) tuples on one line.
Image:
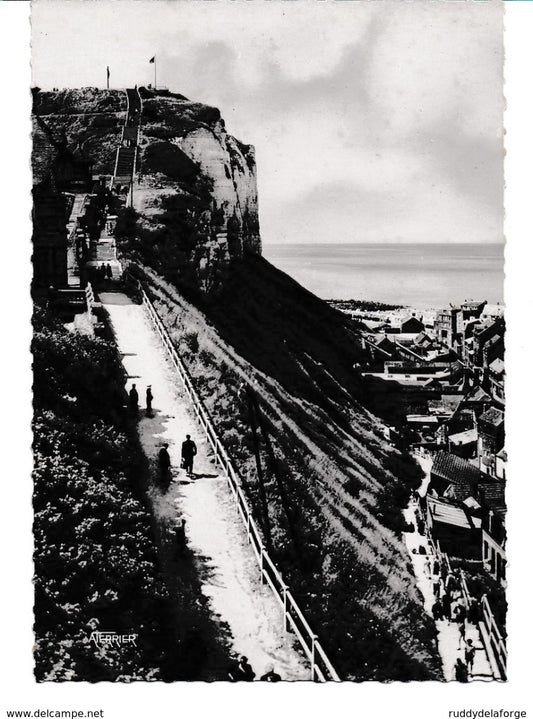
[(96, 565)]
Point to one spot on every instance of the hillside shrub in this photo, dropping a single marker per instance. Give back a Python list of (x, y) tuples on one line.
[(96, 561)]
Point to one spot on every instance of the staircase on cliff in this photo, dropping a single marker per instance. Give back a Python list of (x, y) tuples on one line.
[(127, 151)]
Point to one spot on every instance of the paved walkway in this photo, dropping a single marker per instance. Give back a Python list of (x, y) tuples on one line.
[(213, 527), (451, 646)]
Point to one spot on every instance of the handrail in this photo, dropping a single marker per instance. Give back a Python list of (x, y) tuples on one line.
[(321, 668)]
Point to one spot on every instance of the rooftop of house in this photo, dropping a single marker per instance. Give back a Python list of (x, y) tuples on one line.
[(455, 470), (494, 340), (448, 512), (477, 394), (421, 419), (452, 309), (465, 437), (493, 416), (492, 493), (423, 340), (489, 325), (497, 366), (447, 404), (473, 305)]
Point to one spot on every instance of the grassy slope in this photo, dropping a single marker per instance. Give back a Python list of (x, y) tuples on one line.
[(349, 571)]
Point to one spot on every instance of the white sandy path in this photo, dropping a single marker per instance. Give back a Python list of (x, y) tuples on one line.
[(213, 527)]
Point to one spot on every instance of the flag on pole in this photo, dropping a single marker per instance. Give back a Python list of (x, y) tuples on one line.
[(108, 77), (153, 59)]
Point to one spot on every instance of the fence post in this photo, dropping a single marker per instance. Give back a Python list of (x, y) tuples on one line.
[(261, 563), (285, 622), (313, 640), (248, 528)]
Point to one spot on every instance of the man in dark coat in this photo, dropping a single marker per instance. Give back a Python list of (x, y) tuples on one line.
[(188, 453), (164, 465), (270, 675), (242, 672), (108, 271), (149, 398), (446, 605), (437, 611), (181, 539), (461, 671), (134, 399)]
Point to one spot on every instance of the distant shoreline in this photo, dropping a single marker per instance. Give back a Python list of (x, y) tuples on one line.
[(422, 276), (383, 243)]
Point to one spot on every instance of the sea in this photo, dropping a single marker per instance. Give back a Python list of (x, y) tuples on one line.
[(415, 275)]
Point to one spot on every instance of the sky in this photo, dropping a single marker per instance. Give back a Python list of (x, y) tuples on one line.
[(372, 121)]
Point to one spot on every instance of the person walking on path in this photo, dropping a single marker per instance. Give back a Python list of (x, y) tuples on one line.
[(446, 605), (180, 539), (164, 466), (188, 453), (462, 632), (436, 610), (470, 653), (149, 398), (134, 399), (108, 271)]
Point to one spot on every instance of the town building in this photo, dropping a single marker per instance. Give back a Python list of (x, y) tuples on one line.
[(446, 325)]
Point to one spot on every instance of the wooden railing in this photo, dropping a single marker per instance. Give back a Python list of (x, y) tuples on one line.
[(89, 297), (489, 630), (321, 668)]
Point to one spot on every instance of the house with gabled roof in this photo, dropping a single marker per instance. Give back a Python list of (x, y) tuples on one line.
[(449, 470)]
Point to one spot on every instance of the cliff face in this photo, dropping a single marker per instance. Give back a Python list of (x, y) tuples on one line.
[(196, 192), (193, 172)]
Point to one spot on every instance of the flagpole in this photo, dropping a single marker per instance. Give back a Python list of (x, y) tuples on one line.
[(155, 72)]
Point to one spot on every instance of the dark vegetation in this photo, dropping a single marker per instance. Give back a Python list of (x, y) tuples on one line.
[(162, 120), (168, 159), (96, 563), (87, 120), (78, 101)]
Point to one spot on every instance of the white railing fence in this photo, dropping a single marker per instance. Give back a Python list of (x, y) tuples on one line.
[(89, 297), (489, 630), (293, 619)]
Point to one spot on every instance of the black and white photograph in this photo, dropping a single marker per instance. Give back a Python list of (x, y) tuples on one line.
[(269, 427), (268, 344)]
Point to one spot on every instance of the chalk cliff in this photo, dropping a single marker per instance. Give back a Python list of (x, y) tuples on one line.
[(195, 193)]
